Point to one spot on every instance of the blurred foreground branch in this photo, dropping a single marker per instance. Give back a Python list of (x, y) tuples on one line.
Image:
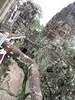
[(35, 81)]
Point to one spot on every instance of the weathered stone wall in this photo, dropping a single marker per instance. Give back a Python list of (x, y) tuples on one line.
[(4, 7), (11, 86), (56, 69)]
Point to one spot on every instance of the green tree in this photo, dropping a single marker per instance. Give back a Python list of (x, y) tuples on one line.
[(36, 25)]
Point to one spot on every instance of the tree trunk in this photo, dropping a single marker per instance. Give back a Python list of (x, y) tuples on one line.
[(35, 79), (35, 83)]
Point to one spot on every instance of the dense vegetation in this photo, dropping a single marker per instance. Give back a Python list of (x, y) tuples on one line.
[(52, 47)]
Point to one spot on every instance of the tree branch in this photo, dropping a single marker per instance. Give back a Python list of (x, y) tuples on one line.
[(35, 80)]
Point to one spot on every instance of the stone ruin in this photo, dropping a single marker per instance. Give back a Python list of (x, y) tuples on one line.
[(15, 19)]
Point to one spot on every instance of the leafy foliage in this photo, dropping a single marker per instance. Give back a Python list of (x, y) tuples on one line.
[(36, 25)]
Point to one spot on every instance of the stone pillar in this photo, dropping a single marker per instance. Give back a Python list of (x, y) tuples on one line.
[(4, 7)]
